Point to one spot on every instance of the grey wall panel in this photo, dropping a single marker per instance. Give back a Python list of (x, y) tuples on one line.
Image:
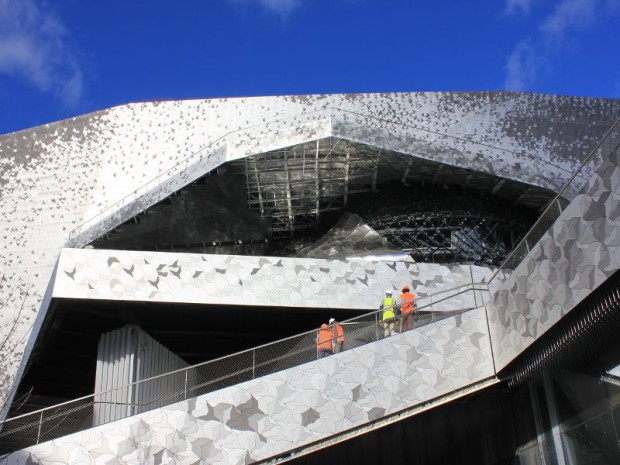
[(152, 360), (125, 356), (115, 368), (274, 414), (579, 252)]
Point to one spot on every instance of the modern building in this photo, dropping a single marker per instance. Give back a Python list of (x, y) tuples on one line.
[(166, 266)]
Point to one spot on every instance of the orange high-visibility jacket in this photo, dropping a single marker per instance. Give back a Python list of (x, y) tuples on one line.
[(324, 338), (406, 302), (338, 334)]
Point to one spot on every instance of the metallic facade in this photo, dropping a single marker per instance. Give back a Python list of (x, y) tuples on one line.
[(578, 253), (68, 183)]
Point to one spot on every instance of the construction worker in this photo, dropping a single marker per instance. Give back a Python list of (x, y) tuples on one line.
[(324, 341), (388, 316), (337, 335), (407, 308)]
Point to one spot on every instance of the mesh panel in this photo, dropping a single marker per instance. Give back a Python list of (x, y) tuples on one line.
[(221, 373), (66, 419)]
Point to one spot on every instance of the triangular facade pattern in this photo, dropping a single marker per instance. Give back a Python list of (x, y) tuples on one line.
[(65, 184)]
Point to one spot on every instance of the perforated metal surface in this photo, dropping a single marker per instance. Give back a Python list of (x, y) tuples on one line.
[(77, 179)]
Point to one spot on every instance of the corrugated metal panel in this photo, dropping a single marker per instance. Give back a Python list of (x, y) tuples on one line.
[(125, 356), (154, 359)]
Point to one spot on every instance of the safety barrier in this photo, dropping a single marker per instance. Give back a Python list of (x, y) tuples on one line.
[(77, 415)]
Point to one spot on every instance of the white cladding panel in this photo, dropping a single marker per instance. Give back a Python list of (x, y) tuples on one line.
[(258, 281)]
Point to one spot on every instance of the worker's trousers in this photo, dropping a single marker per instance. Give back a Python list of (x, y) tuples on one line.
[(407, 321), (389, 327)]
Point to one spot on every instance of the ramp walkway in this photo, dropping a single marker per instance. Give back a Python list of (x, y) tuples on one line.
[(275, 402), (276, 398)]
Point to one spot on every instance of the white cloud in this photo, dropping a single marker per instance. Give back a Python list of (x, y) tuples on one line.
[(549, 40), (280, 7), (570, 14), (73, 87), (522, 67), (34, 47), (513, 6)]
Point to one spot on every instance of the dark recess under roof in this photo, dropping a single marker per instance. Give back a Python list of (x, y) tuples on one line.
[(64, 358)]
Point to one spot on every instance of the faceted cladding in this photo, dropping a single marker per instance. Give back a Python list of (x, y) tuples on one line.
[(268, 416), (66, 184), (264, 281), (578, 253), (70, 182)]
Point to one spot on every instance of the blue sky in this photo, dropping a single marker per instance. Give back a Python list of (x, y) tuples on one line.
[(63, 58)]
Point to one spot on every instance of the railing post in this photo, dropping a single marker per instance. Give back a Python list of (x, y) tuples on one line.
[(253, 364), (185, 388), (39, 429), (473, 286)]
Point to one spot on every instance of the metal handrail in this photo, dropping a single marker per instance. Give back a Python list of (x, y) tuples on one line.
[(465, 288), (556, 202), (370, 319), (202, 150)]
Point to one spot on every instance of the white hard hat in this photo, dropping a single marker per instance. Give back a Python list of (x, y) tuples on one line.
[(331, 320), (389, 291)]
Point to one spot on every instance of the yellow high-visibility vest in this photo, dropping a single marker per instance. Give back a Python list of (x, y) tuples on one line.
[(388, 308)]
